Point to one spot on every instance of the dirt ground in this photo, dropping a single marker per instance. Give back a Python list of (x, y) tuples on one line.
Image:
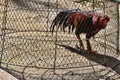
[(6, 76)]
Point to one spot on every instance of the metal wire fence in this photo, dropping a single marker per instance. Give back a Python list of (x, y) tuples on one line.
[(29, 51)]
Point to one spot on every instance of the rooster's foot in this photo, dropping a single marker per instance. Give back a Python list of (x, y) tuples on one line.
[(79, 47)]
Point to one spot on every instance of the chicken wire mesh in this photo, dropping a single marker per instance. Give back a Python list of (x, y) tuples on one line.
[(29, 51)]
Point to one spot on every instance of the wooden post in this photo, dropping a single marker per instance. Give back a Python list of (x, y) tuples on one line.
[(3, 29), (118, 28)]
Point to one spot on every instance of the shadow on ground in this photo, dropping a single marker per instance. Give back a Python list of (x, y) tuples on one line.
[(104, 60)]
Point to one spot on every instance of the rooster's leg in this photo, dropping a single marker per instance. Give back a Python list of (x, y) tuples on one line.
[(80, 42), (79, 39), (88, 36), (88, 45)]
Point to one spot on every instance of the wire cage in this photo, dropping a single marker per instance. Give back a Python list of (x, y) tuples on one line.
[(30, 52)]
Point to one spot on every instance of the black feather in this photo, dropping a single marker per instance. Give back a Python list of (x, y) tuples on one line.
[(66, 21), (55, 22), (62, 20)]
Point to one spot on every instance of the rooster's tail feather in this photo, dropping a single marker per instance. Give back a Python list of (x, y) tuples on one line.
[(61, 21)]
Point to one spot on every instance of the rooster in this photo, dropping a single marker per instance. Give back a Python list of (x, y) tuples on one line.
[(86, 22)]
